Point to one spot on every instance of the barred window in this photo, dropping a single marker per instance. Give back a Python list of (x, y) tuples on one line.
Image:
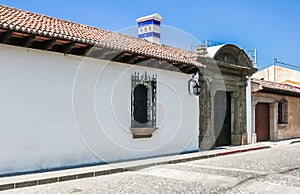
[(143, 104), (283, 111)]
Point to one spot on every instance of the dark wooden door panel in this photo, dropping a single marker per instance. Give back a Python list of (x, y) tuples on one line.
[(262, 122), (222, 114)]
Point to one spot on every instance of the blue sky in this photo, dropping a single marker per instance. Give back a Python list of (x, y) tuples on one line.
[(272, 27)]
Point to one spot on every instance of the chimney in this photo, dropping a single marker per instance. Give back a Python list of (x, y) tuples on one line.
[(149, 28)]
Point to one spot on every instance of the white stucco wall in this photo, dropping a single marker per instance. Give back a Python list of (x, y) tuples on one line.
[(60, 110), (249, 111)]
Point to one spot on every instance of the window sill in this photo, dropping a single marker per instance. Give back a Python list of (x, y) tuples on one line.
[(282, 125), (144, 132)]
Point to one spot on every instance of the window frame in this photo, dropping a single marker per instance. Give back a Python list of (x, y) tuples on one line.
[(283, 111), (146, 129)]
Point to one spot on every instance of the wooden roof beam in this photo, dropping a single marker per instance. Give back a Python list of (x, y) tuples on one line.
[(5, 37), (102, 54), (134, 59), (120, 56), (177, 65), (98, 54), (41, 38), (96, 48), (173, 68), (159, 64), (28, 40), (19, 35), (186, 69), (86, 50), (80, 45), (68, 47), (49, 44), (149, 62), (130, 58), (110, 54), (61, 42), (139, 60)]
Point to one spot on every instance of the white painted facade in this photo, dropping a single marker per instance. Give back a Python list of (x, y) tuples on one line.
[(60, 110)]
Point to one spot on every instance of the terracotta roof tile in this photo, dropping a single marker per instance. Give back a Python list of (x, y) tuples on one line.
[(28, 22), (276, 86)]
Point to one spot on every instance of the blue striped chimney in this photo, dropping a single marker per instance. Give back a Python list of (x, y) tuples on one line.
[(149, 28)]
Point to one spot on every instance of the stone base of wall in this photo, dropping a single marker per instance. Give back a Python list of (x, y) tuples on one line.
[(239, 139), (207, 142)]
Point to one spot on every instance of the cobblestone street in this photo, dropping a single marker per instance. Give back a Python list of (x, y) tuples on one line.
[(274, 170)]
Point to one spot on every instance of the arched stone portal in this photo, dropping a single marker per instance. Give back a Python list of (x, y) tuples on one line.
[(227, 69)]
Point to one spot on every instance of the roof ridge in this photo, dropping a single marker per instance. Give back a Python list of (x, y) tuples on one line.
[(274, 83), (93, 27), (15, 19), (50, 17)]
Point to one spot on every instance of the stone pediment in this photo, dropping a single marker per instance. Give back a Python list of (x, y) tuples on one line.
[(229, 53)]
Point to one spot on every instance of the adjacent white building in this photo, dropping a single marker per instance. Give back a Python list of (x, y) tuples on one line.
[(79, 96)]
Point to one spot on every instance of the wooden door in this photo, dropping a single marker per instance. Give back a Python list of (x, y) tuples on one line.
[(222, 116), (262, 122)]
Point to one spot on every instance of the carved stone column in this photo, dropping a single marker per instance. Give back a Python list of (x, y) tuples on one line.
[(239, 130), (273, 121), (253, 133), (206, 119)]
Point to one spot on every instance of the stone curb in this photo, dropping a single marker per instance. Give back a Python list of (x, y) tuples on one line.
[(85, 172), (297, 141)]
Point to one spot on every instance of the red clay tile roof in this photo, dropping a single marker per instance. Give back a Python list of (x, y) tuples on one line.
[(268, 85), (32, 23)]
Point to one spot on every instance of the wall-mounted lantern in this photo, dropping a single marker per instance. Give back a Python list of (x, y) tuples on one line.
[(194, 86)]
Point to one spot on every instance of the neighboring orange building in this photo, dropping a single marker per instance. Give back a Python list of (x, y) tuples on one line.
[(279, 75), (276, 110)]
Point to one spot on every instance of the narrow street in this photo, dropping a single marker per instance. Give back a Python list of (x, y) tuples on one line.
[(274, 170)]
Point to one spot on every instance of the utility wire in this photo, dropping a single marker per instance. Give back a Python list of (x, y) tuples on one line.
[(286, 64)]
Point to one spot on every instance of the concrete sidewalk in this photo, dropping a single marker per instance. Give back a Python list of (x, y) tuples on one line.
[(78, 173)]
